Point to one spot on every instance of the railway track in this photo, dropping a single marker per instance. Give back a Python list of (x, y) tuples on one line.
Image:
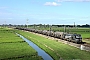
[(82, 46)]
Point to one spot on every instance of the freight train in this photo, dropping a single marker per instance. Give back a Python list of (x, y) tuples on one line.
[(61, 35)]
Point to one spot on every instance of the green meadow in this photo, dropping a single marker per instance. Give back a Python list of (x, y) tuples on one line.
[(13, 47), (56, 49)]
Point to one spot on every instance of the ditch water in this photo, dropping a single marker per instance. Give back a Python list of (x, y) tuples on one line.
[(41, 53)]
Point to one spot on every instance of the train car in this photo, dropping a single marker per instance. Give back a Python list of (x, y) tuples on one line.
[(32, 30), (58, 35), (73, 37), (40, 31), (44, 32), (50, 33), (36, 31)]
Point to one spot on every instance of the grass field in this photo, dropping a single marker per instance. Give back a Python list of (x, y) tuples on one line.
[(13, 47), (56, 49)]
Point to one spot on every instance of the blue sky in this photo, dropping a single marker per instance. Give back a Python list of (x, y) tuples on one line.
[(45, 11)]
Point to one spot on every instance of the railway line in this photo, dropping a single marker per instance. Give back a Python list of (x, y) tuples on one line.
[(82, 46), (86, 46)]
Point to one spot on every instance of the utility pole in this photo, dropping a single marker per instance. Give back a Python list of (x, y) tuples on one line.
[(44, 26), (64, 28), (5, 24), (34, 26), (50, 29), (74, 24), (27, 22), (68, 29)]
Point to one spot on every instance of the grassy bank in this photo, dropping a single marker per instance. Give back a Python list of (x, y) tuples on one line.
[(56, 49), (13, 47)]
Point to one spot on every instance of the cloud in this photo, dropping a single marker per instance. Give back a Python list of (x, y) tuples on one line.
[(51, 4), (58, 0), (73, 0)]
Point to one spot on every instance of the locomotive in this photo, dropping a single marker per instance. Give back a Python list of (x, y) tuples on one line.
[(61, 35)]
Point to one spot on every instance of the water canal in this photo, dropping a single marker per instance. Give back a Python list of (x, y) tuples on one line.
[(41, 53)]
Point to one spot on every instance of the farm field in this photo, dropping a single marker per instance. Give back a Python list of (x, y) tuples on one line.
[(56, 49), (13, 47)]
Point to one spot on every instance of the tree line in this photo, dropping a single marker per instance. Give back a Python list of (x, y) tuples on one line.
[(47, 25)]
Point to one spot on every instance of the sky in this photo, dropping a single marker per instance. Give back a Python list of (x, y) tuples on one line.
[(45, 12)]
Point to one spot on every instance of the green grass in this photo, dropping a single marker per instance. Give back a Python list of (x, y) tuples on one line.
[(9, 50), (65, 51), (13, 47)]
